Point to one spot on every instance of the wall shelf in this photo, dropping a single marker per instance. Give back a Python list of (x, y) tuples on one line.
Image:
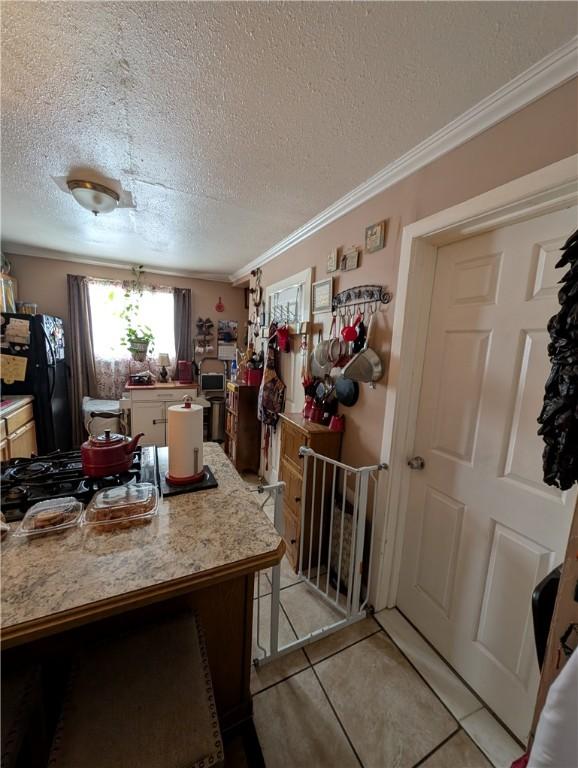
[(361, 296)]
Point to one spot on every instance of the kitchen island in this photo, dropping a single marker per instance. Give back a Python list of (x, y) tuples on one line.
[(201, 550)]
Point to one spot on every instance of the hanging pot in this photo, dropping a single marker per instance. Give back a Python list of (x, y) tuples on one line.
[(319, 371), (338, 354), (349, 333), (365, 366), (359, 342), (319, 352), (346, 391), (322, 350), (324, 389), (320, 366)]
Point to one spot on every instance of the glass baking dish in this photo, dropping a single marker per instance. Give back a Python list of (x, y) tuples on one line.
[(122, 507), (52, 516)]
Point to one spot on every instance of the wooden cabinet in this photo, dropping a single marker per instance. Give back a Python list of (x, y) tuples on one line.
[(242, 428), (18, 433), (296, 432), (22, 442), (19, 418)]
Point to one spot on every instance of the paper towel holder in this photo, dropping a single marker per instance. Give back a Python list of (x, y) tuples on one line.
[(198, 474)]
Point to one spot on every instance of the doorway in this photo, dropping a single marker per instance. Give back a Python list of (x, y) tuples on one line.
[(287, 302), (476, 528)]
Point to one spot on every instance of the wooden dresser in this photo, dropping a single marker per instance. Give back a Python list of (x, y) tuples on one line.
[(295, 432), (242, 428)]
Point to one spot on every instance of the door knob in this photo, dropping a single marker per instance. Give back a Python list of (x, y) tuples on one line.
[(416, 463)]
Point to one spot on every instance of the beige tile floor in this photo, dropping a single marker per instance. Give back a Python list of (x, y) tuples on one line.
[(373, 695)]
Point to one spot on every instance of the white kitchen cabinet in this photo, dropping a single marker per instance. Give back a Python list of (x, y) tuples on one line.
[(148, 409), (149, 418)]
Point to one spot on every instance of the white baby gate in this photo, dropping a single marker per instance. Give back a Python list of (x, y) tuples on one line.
[(335, 554)]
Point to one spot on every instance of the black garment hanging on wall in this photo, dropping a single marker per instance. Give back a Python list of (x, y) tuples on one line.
[(559, 416)]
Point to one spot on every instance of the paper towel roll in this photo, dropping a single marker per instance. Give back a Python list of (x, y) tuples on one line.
[(185, 442)]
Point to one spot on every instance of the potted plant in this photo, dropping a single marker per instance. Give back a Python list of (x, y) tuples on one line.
[(138, 338)]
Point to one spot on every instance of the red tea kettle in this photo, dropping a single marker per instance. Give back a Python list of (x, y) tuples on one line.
[(108, 454)]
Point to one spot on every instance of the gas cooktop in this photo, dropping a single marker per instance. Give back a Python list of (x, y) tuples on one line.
[(28, 481)]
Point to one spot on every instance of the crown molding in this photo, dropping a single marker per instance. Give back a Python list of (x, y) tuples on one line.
[(550, 72), (18, 249)]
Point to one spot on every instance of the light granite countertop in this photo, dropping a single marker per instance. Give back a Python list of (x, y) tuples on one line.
[(195, 539)]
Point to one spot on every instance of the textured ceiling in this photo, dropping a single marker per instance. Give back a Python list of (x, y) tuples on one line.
[(232, 124)]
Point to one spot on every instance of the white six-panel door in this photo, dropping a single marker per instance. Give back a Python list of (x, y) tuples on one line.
[(482, 529)]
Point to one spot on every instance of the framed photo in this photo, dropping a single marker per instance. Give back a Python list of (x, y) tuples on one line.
[(228, 330), (322, 295), (349, 259), (332, 261), (375, 237)]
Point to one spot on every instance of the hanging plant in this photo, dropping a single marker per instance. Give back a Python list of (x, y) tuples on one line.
[(138, 338)]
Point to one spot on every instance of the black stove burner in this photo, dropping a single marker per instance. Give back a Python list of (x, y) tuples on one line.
[(16, 493), (26, 472), (98, 483), (28, 481)]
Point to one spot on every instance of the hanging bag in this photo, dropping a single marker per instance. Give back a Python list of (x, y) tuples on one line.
[(271, 400)]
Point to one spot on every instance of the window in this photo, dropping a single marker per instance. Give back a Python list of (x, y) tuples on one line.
[(289, 301), (106, 303)]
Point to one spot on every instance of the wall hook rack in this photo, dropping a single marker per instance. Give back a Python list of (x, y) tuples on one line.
[(361, 294)]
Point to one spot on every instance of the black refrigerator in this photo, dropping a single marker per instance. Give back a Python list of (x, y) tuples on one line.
[(40, 340)]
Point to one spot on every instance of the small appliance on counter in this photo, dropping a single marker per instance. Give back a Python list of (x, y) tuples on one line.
[(142, 379), (211, 383), (108, 454), (185, 371)]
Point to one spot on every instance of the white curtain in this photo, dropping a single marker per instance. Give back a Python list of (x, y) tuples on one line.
[(112, 375), (113, 362)]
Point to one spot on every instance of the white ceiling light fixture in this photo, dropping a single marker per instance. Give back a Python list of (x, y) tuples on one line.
[(92, 196)]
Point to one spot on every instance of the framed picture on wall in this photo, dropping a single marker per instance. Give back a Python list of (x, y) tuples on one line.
[(322, 295), (375, 237), (349, 259), (332, 261)]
